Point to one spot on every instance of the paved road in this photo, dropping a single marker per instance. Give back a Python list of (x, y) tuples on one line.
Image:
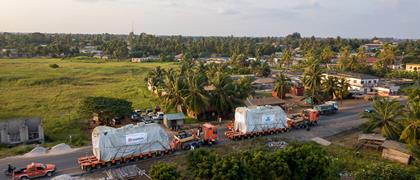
[(346, 119)]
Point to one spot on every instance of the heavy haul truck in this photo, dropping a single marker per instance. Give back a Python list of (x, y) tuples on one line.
[(266, 120), (114, 146), (305, 119), (257, 121)]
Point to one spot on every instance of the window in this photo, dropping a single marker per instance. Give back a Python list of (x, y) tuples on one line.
[(362, 82), (374, 81), (354, 81), (369, 81), (39, 168)]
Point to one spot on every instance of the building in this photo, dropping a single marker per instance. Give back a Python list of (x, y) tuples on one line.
[(396, 151), (387, 89), (272, 101), (371, 60), (174, 121), (145, 59), (264, 83), (373, 47), (362, 83), (21, 130), (412, 67)]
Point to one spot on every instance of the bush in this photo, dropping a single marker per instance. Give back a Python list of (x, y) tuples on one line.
[(106, 107), (384, 171), (164, 171), (307, 161), (201, 163), (54, 66)]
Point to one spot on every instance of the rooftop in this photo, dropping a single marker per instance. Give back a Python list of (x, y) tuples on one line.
[(264, 101), (352, 75)]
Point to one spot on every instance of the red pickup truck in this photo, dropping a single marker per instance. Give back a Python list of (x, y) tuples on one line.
[(34, 170)]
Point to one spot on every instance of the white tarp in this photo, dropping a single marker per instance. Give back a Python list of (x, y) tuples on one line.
[(259, 118), (113, 143)]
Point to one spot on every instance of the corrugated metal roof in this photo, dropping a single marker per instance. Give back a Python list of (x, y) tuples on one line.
[(174, 116)]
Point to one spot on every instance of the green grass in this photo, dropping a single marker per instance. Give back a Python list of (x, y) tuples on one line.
[(30, 87)]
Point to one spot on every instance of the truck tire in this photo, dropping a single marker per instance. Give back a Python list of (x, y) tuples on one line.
[(49, 173)]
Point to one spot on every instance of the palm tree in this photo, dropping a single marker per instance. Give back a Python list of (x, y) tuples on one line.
[(327, 54), (387, 55), (281, 87), (155, 78), (386, 115), (344, 58), (342, 89), (312, 79), (196, 99), (286, 58), (224, 97), (174, 91), (411, 132), (329, 85)]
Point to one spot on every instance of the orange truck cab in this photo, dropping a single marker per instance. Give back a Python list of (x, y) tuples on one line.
[(188, 140), (311, 114), (34, 170), (209, 133)]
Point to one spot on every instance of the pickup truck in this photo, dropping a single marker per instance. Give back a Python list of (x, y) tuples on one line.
[(34, 170)]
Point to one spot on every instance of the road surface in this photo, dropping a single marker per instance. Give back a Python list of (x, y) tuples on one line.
[(345, 119)]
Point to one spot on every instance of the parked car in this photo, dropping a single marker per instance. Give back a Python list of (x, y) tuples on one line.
[(369, 110)]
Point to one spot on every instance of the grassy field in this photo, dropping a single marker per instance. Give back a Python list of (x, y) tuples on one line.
[(30, 87)]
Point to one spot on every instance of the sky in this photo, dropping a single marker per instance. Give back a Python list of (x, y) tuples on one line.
[(321, 18)]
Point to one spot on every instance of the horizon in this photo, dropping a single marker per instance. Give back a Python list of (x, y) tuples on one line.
[(268, 18)]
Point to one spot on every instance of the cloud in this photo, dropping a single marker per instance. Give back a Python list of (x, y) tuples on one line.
[(224, 11), (308, 5)]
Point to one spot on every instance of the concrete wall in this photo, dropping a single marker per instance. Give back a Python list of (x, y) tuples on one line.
[(21, 128)]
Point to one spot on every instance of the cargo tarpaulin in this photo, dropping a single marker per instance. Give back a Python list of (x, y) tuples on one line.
[(259, 118), (113, 143)]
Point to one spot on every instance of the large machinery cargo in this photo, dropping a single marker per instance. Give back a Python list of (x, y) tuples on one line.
[(113, 143), (131, 142), (255, 121)]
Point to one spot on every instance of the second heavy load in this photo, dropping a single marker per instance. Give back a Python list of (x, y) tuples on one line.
[(130, 140), (259, 118)]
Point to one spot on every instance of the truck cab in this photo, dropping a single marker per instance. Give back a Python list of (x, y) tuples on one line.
[(207, 134), (34, 170)]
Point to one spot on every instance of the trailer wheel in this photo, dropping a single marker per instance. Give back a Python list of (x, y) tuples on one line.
[(108, 164), (89, 168), (24, 178)]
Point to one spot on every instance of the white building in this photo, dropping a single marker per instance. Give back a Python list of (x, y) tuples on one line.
[(362, 83)]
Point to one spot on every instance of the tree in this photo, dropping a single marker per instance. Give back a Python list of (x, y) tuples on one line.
[(327, 54), (342, 89), (386, 115), (329, 85), (282, 86), (312, 79), (196, 99), (223, 96), (106, 108), (286, 58), (344, 58), (174, 91), (201, 163), (164, 171), (411, 132), (307, 161), (156, 78), (387, 56)]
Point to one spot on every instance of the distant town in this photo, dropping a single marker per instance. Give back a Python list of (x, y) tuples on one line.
[(182, 107)]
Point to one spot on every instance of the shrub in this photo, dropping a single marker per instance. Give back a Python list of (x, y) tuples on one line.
[(307, 161), (164, 171), (54, 66), (384, 171)]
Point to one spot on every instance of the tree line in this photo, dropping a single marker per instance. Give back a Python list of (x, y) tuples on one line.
[(296, 161), (143, 45)]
